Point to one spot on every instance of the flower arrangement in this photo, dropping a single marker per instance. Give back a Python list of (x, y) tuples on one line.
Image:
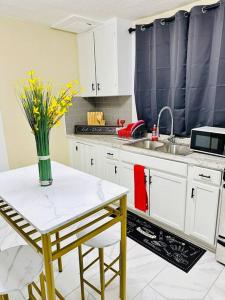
[(44, 110)]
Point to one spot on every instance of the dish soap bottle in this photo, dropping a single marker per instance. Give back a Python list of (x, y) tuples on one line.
[(154, 133)]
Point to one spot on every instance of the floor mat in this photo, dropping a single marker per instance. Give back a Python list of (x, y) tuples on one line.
[(168, 246)]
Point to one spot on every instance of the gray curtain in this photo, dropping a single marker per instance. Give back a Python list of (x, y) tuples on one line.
[(205, 86), (160, 72)]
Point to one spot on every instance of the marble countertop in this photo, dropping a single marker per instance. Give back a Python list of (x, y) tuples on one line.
[(195, 158), (72, 194)]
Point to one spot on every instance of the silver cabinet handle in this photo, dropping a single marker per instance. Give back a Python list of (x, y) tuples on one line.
[(192, 193), (98, 86), (93, 87), (92, 161)]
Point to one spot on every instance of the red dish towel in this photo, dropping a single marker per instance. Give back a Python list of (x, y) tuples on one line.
[(140, 193)]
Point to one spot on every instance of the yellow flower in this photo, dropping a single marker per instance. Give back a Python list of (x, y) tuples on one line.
[(32, 81), (69, 85), (67, 98), (76, 81), (57, 123), (63, 103), (35, 111), (23, 96), (31, 73)]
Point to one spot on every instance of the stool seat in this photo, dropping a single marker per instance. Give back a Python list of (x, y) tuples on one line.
[(107, 238), (19, 266)]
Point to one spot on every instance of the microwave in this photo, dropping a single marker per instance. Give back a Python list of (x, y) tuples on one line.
[(210, 140)]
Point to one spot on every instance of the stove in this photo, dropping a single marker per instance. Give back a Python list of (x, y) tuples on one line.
[(95, 130)]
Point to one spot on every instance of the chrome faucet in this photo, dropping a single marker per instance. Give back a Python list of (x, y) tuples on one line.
[(172, 136)]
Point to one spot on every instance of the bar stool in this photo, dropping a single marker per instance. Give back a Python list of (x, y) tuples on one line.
[(19, 267), (105, 239)]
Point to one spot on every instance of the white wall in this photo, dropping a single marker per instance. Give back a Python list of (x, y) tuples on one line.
[(4, 165), (52, 54)]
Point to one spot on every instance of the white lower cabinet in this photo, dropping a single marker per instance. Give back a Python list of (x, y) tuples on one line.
[(83, 157), (90, 159), (168, 198), (186, 203), (127, 180), (77, 156), (202, 207), (112, 171)]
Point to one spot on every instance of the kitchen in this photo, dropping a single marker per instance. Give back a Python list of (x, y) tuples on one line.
[(160, 63)]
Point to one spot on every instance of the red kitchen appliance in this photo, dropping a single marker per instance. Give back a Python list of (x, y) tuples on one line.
[(133, 130)]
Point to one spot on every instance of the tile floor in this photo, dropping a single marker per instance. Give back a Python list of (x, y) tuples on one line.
[(149, 277)]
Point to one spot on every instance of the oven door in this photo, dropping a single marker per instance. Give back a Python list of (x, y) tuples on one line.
[(208, 142)]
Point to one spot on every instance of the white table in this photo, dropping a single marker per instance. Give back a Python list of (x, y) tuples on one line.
[(40, 214)]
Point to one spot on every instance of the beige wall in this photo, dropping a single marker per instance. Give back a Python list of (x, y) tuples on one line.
[(52, 53), (173, 11)]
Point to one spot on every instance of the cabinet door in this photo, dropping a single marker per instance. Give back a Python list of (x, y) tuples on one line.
[(203, 204), (167, 199), (90, 159), (106, 59), (112, 171), (127, 180), (86, 61), (78, 157)]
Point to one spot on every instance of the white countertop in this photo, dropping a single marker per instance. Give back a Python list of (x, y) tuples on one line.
[(72, 194), (198, 159)]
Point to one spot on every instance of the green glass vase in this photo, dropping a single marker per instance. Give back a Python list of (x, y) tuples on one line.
[(44, 161)]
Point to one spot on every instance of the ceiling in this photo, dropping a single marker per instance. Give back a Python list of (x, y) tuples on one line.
[(52, 11)]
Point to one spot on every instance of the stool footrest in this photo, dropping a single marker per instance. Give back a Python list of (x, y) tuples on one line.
[(87, 252), (92, 286), (111, 264), (111, 279), (91, 264)]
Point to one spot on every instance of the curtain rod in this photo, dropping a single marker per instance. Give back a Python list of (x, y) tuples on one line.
[(163, 21), (145, 26)]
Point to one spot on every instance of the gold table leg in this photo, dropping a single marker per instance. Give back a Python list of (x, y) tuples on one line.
[(47, 256), (58, 248), (81, 263), (123, 247), (102, 273)]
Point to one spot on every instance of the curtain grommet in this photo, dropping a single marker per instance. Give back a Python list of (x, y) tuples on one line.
[(204, 10), (163, 22), (186, 14), (143, 28)]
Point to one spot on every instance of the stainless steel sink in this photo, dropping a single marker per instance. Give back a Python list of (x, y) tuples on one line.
[(147, 144), (163, 146), (176, 149)]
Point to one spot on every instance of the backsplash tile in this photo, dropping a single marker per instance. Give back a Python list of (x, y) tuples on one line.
[(77, 113), (113, 108)]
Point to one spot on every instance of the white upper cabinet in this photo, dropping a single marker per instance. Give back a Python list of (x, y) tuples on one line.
[(104, 56), (87, 63)]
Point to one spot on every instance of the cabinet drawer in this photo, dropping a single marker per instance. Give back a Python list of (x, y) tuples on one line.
[(154, 163), (207, 175), (111, 153)]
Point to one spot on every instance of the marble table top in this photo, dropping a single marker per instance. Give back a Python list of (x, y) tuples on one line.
[(72, 194)]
